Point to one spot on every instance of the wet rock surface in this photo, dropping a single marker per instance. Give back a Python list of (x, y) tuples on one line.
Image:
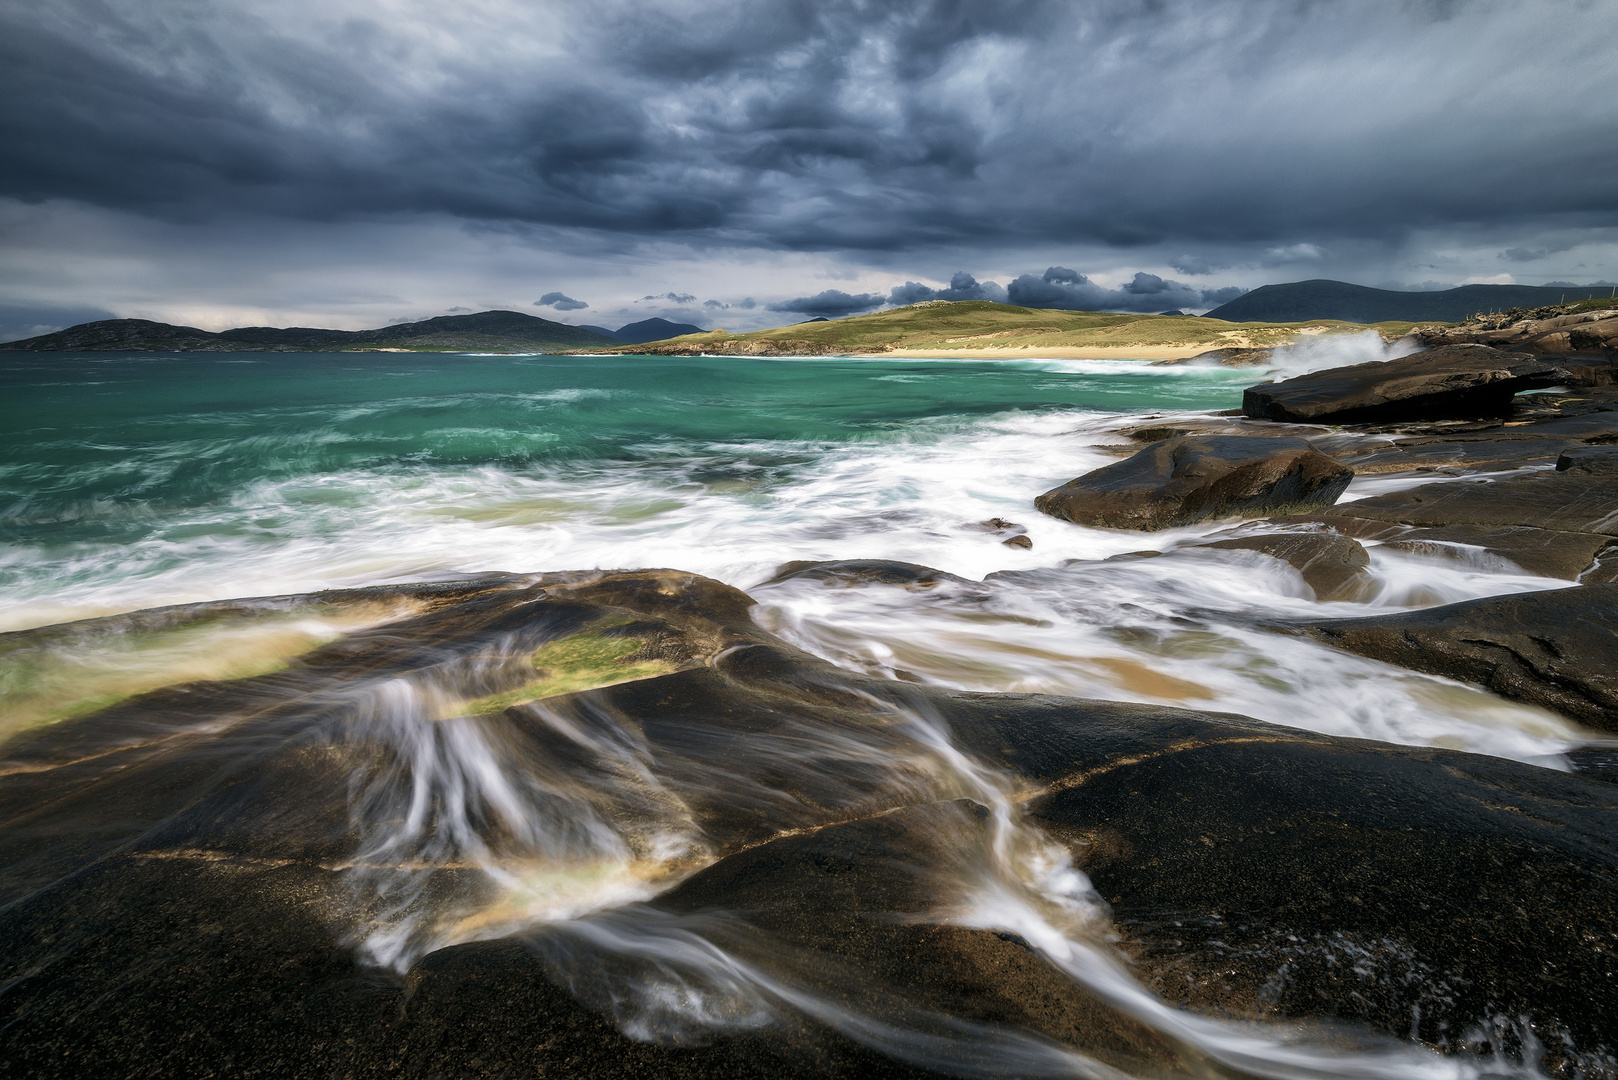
[(1553, 523), (1447, 381), (188, 877), (1183, 480), (1557, 649)]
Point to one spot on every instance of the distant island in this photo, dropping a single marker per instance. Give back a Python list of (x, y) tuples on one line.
[(486, 331), (1268, 316)]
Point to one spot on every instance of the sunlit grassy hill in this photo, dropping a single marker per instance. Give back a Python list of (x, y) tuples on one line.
[(978, 326)]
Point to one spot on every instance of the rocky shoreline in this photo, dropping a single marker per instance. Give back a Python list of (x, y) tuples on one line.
[(180, 891)]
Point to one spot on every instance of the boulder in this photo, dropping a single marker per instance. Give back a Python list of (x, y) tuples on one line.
[(1334, 566), (1184, 480), (1451, 380), (1556, 649), (1594, 460)]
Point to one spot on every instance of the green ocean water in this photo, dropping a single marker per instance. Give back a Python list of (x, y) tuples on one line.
[(115, 468), (187, 430), (132, 481)]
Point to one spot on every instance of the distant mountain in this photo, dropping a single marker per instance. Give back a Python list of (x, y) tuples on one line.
[(486, 331), (637, 333), (603, 331), (1322, 299)]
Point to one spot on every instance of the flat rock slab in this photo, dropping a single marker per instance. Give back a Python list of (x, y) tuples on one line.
[(180, 873), (1570, 556), (1331, 564), (1465, 453), (1184, 480), (1451, 380), (1564, 501), (1556, 649)]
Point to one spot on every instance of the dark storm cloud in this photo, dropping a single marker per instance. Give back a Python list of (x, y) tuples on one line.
[(1059, 287), (962, 286), (1222, 127), (18, 321), (831, 303), (560, 302)]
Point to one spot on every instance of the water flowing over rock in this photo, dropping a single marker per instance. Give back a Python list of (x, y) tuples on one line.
[(1194, 478), (601, 824), (1330, 564), (1452, 380), (1556, 649)]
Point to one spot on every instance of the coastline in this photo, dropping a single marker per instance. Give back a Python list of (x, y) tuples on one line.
[(1087, 352)]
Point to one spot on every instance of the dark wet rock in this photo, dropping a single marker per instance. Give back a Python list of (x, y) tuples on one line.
[(850, 572), (176, 891), (1282, 875), (1596, 460), (1452, 380), (1334, 566), (1557, 649), (1570, 556), (1567, 502), (1180, 481), (1553, 523), (1454, 455), (1019, 542)]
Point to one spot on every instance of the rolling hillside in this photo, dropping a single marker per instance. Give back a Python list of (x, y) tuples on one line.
[(1323, 299), (976, 326)]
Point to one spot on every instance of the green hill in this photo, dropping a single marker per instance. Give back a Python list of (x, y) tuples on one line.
[(937, 326)]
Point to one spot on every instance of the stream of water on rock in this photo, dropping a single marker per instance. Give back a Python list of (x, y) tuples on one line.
[(134, 481)]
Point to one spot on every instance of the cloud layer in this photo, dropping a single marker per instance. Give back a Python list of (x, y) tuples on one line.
[(1198, 137)]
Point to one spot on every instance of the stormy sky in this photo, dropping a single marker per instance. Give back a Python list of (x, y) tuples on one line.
[(744, 163)]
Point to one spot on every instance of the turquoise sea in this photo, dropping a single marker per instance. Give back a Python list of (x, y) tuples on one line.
[(137, 480)]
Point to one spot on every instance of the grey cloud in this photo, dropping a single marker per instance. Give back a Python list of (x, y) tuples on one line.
[(900, 134), (831, 303), (18, 321), (560, 302), (1215, 297), (1197, 265), (962, 286), (1059, 287), (835, 125), (671, 297)]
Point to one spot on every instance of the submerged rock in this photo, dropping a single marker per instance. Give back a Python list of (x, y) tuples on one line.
[(1451, 380), (1184, 480), (1333, 566), (865, 572), (1556, 649)]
